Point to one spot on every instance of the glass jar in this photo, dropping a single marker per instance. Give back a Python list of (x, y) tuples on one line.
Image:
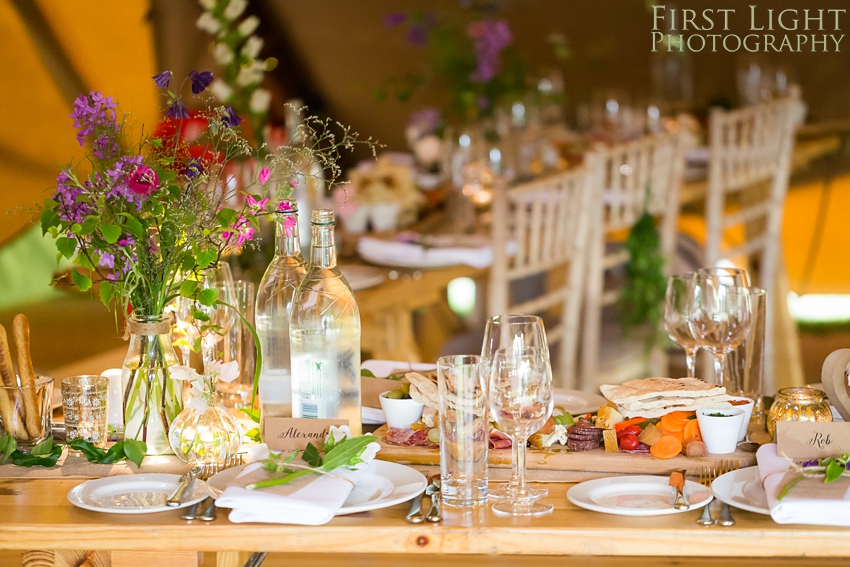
[(798, 404), (205, 433), (152, 399)]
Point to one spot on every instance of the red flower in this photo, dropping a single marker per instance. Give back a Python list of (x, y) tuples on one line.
[(143, 181)]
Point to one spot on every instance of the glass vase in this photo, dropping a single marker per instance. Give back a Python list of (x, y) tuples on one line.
[(206, 434), (152, 399)]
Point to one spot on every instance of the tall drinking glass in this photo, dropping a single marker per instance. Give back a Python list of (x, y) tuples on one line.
[(719, 318), (237, 394), (220, 279), (745, 364), (520, 396), (679, 290), (514, 331), (464, 430)]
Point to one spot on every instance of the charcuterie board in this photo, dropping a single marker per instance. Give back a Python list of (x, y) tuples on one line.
[(560, 464)]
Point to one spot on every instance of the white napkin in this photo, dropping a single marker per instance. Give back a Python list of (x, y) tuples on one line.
[(469, 250), (311, 500), (810, 501)]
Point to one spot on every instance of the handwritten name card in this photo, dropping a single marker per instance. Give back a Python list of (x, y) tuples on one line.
[(812, 439), (289, 433)]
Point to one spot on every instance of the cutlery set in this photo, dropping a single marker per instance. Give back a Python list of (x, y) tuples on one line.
[(706, 477), (434, 514), (202, 472)]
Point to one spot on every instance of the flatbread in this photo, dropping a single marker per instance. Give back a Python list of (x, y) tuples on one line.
[(649, 388), (666, 402), (661, 412)]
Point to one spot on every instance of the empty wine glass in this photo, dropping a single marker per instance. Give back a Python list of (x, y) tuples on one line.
[(679, 291), (719, 317), (728, 276), (220, 279), (513, 331), (520, 398)]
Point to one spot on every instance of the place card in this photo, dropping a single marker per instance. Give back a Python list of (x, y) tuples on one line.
[(290, 433), (812, 439)]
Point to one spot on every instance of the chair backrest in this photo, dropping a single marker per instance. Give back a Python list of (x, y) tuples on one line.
[(638, 176), (749, 170), (541, 228)]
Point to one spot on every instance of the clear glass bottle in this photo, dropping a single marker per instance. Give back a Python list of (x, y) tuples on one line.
[(273, 309), (325, 335)]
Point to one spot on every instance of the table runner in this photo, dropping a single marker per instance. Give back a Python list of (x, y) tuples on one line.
[(76, 466)]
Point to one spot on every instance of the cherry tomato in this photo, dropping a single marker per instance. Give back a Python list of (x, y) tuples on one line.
[(629, 442), (630, 430)]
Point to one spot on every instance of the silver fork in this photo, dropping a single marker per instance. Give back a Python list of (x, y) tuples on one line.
[(726, 518), (210, 469), (706, 476)]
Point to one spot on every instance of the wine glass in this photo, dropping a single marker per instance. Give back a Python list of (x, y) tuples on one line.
[(520, 399), (679, 290), (719, 317), (728, 276), (218, 278), (509, 331)]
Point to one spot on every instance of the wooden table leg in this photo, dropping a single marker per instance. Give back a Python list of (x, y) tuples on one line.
[(53, 558), (231, 558)]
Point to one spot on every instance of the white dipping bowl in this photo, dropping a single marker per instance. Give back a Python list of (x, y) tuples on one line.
[(401, 413), (748, 413), (720, 434)]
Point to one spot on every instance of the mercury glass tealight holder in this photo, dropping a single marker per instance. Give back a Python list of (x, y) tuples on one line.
[(798, 404)]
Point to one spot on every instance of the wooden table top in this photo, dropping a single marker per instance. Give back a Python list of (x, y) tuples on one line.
[(35, 514)]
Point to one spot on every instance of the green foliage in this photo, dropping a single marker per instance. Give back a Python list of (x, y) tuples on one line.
[(47, 453)]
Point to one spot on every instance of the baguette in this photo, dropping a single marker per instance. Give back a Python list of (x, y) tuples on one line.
[(10, 399), (32, 417)]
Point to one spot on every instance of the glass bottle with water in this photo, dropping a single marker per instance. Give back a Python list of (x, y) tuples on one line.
[(273, 309), (325, 335)]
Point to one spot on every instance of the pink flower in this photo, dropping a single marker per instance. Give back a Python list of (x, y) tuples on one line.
[(289, 221), (293, 183), (254, 203), (143, 181), (264, 176), (225, 371)]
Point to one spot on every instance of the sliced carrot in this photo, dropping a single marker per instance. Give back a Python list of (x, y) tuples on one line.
[(548, 427), (681, 415), (692, 431), (667, 448), (633, 421), (677, 434), (672, 424)]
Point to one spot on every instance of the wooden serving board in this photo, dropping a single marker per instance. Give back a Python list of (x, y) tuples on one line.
[(570, 466)]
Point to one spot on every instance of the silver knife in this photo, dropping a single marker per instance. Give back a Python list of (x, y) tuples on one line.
[(185, 482)]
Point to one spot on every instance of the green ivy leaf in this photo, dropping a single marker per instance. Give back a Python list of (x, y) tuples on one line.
[(207, 297), (311, 456), (135, 451), (81, 281), (66, 246), (187, 288), (111, 233)]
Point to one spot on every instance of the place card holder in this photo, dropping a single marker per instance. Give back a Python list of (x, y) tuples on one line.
[(290, 433), (812, 439)]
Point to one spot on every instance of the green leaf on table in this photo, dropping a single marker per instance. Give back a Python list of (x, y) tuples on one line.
[(254, 434), (113, 455), (66, 246), (43, 448), (254, 414), (81, 281), (207, 297), (367, 373), (135, 451), (24, 460), (7, 447), (187, 288), (107, 292), (49, 219), (311, 456), (89, 451), (111, 233), (834, 470), (206, 258)]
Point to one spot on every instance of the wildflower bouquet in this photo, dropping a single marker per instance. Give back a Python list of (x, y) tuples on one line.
[(145, 219)]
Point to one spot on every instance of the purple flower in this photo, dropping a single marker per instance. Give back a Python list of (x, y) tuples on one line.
[(107, 260), (394, 18), (810, 463), (194, 168), (126, 241), (200, 81), (489, 37), (143, 181), (94, 115), (66, 195), (230, 118), (177, 110), (162, 79), (417, 35), (426, 120), (482, 102)]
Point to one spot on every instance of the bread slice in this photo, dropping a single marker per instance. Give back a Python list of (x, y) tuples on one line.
[(660, 412), (650, 388), (667, 402)]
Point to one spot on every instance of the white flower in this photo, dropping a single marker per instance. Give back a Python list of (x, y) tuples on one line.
[(207, 4), (250, 74), (223, 54), (221, 90), (256, 453), (248, 26), (260, 101), (252, 47), (368, 455), (235, 8), (184, 373), (208, 23), (225, 371), (339, 433)]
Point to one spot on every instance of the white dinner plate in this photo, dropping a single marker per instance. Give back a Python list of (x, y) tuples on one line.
[(636, 495), (382, 485), (133, 494), (363, 277), (577, 402), (742, 489)]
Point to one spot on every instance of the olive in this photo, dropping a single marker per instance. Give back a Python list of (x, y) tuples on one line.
[(395, 395), (434, 435), (405, 388)]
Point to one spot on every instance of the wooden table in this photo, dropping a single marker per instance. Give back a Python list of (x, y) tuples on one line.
[(35, 514)]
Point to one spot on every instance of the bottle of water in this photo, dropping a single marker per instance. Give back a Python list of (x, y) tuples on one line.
[(273, 309), (325, 335)]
